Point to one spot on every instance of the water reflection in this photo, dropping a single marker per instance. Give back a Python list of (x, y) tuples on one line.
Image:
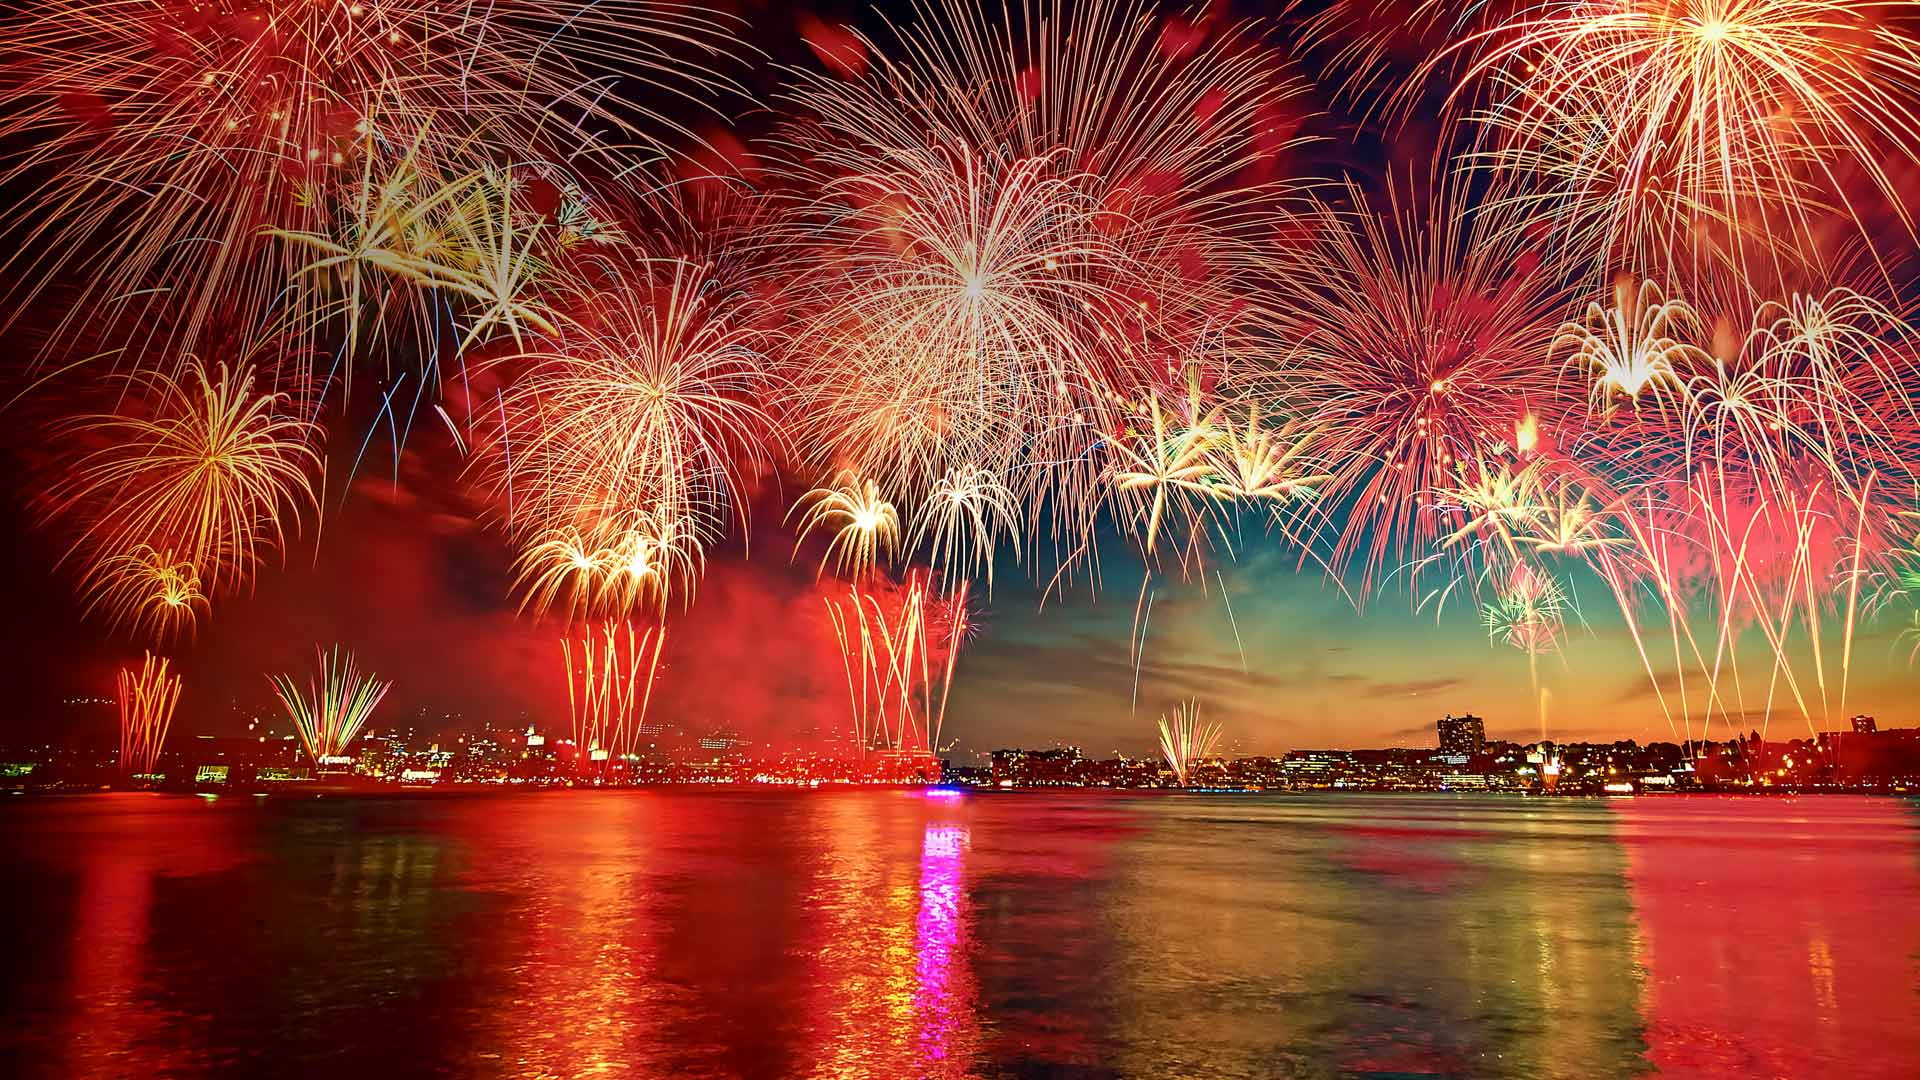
[(870, 934), (943, 995), (1779, 938), (566, 938)]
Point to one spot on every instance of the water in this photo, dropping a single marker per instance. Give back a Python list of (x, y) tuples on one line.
[(883, 934)]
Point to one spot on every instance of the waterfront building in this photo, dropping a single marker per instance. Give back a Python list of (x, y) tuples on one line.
[(1462, 735)]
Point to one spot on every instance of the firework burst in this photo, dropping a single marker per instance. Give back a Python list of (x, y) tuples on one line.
[(1005, 229), (862, 526), (1737, 122), (1424, 338), (625, 445), (336, 704), (203, 467), (161, 136)]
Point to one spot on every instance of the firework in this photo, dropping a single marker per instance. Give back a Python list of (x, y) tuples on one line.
[(863, 525), (640, 420), (1698, 117), (413, 241), (1424, 337), (149, 590), (963, 520), (1255, 462), (203, 467), (161, 136), (1529, 612), (1185, 741), (891, 642), (999, 227), (146, 711), (1169, 462), (1630, 347), (336, 704), (622, 564), (609, 689)]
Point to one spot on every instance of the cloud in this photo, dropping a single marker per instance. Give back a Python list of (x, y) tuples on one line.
[(1370, 688)]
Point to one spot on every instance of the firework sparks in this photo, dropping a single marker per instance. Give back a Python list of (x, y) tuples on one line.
[(203, 467), (609, 687), (1185, 741), (146, 701), (336, 704)]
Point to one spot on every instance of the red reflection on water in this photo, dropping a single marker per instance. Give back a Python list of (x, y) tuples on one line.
[(115, 1026), (1406, 857), (1777, 937), (569, 986), (891, 989)]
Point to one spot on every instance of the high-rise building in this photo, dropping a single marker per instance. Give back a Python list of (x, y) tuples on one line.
[(1462, 734), (1864, 725)]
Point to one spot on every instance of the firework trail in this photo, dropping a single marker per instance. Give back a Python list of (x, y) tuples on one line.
[(609, 689), (336, 704), (146, 701), (1185, 741), (898, 648)]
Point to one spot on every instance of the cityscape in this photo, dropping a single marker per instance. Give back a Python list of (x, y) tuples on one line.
[(1860, 759)]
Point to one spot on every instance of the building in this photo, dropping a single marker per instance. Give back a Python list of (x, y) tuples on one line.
[(1864, 725), (1462, 734)]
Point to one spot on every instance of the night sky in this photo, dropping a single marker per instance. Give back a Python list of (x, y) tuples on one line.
[(405, 570)]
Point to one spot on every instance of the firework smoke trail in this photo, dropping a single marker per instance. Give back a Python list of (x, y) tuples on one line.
[(1227, 602), (146, 702), (1140, 640), (1185, 741), (336, 704), (609, 691)]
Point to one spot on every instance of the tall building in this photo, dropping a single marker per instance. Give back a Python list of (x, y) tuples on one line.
[(1462, 734), (1864, 725)]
